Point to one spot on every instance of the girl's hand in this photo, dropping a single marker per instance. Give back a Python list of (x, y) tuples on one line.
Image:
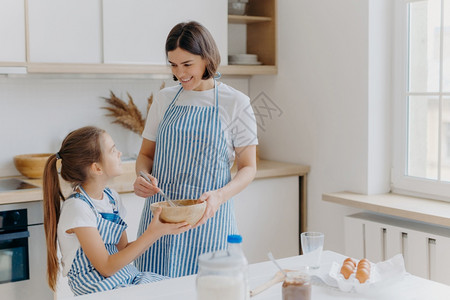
[(213, 201), (143, 188), (159, 228)]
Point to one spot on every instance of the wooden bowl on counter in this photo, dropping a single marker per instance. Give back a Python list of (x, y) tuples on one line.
[(31, 165), (187, 210)]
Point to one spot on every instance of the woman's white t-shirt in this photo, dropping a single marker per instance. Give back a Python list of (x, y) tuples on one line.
[(77, 213), (235, 113)]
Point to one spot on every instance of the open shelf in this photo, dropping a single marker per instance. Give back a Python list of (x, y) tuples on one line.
[(78, 68), (248, 70), (260, 38), (234, 19)]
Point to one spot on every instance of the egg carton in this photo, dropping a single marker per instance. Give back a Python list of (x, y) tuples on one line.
[(380, 273)]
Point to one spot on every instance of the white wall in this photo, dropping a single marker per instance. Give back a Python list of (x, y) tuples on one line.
[(37, 112), (332, 118)]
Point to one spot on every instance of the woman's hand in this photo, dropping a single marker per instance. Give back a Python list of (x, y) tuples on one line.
[(246, 170), (214, 200), (143, 188), (144, 163), (159, 228)]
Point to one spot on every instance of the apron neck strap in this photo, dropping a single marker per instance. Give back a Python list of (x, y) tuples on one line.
[(108, 194), (216, 95), (83, 192)]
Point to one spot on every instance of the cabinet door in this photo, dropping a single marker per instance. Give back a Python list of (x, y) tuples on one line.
[(134, 205), (12, 31), (440, 260), (135, 31), (66, 31), (353, 237), (267, 214)]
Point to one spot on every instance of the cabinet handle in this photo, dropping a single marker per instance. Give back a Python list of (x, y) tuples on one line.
[(14, 235)]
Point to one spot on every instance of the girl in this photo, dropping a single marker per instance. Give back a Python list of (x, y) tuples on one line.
[(89, 228), (192, 136)]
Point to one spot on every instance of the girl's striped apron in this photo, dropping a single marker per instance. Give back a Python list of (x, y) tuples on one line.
[(83, 277), (191, 158)]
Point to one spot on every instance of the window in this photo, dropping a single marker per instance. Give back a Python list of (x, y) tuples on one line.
[(421, 164)]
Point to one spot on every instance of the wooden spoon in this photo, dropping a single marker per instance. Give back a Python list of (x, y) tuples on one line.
[(278, 277)]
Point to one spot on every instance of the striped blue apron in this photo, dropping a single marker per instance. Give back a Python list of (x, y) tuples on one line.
[(83, 277), (191, 158)]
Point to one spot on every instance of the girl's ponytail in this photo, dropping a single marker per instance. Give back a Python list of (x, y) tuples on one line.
[(78, 151), (52, 208)]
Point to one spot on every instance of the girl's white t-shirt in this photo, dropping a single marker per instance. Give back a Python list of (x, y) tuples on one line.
[(235, 113), (77, 213)]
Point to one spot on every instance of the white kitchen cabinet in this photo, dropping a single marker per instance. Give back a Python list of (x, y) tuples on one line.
[(122, 37), (66, 31), (135, 31), (267, 213), (12, 31), (134, 205)]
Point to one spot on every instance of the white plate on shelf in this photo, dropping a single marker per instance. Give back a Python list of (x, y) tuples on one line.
[(244, 63), (244, 60), (243, 57)]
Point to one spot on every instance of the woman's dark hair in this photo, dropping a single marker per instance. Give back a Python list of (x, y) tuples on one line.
[(196, 39), (79, 150)]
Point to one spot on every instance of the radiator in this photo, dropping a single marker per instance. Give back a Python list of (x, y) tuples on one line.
[(425, 248)]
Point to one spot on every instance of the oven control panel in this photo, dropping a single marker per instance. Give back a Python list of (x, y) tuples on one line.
[(13, 220)]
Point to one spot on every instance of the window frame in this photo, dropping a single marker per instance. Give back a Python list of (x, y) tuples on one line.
[(401, 183)]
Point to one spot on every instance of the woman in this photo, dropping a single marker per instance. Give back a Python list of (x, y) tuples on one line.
[(192, 136)]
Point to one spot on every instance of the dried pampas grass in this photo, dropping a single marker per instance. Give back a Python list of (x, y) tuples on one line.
[(127, 114)]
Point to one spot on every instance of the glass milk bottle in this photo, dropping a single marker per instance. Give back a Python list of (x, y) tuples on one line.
[(235, 250), (222, 275)]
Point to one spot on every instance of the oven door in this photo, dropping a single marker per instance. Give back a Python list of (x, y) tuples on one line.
[(14, 256), (36, 286)]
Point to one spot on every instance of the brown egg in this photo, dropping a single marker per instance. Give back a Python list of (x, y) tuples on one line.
[(364, 266), (352, 266), (350, 260), (362, 275), (347, 270), (364, 261)]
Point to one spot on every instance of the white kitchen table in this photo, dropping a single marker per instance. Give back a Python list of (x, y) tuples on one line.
[(183, 288)]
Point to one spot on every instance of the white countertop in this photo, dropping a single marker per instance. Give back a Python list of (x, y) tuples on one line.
[(124, 182), (410, 287), (419, 209)]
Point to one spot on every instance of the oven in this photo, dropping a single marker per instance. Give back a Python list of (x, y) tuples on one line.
[(14, 261), (23, 258)]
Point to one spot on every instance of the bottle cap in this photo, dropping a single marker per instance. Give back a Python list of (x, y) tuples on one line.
[(234, 239)]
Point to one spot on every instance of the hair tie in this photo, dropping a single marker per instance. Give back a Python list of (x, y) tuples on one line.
[(57, 156)]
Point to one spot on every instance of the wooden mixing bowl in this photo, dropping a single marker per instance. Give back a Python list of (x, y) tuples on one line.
[(31, 165), (190, 211)]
